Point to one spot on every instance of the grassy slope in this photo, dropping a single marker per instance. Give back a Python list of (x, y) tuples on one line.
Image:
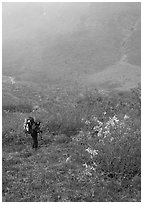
[(122, 76), (62, 169), (45, 175)]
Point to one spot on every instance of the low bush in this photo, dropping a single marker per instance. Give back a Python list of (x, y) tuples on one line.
[(108, 136), (110, 143), (67, 119)]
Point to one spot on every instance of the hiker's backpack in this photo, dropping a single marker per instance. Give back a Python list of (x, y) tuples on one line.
[(28, 125)]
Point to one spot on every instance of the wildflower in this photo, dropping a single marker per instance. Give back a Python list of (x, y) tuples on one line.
[(94, 118), (111, 139), (85, 164), (92, 152), (68, 159), (88, 134), (79, 136), (117, 105), (115, 119), (81, 133), (100, 132), (107, 126), (106, 133), (96, 128), (122, 125), (126, 117), (100, 123), (87, 122), (112, 121), (82, 120), (87, 172), (88, 169)]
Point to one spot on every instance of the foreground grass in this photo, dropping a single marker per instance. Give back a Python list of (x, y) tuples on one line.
[(59, 172), (90, 152)]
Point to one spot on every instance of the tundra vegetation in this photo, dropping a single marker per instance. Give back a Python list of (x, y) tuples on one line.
[(91, 149)]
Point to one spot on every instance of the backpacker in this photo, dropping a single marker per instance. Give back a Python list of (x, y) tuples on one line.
[(29, 125)]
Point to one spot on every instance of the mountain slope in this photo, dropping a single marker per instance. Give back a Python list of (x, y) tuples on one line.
[(121, 76), (46, 42)]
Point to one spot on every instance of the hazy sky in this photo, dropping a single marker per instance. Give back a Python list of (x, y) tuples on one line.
[(21, 19), (56, 17)]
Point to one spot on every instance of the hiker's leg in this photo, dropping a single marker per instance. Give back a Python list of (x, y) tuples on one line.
[(33, 146), (35, 140), (36, 143)]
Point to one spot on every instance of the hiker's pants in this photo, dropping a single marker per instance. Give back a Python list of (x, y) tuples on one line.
[(34, 135)]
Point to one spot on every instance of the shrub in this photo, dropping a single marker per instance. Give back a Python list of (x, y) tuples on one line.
[(111, 137), (113, 146)]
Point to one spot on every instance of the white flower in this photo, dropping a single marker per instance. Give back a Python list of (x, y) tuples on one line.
[(112, 121), (94, 118), (85, 164), (100, 132), (111, 139), (115, 119), (106, 133), (122, 125), (82, 119), (100, 123), (126, 117), (96, 128), (68, 159), (88, 169), (87, 122), (92, 152)]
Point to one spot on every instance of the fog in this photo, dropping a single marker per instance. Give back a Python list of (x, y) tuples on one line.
[(58, 39), (23, 19)]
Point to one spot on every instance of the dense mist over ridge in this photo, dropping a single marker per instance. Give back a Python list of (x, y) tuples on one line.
[(52, 42)]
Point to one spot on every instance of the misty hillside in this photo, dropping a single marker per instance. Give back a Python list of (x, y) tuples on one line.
[(76, 68), (52, 42)]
